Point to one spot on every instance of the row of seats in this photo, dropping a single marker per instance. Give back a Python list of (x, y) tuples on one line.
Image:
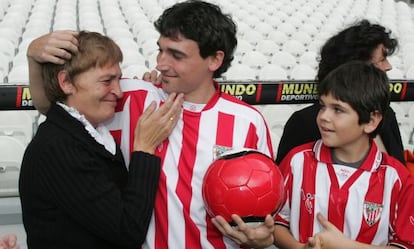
[(270, 71)]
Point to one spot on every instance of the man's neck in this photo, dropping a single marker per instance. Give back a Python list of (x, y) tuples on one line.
[(201, 95)]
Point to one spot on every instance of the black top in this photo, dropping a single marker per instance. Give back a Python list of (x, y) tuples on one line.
[(301, 128), (75, 194)]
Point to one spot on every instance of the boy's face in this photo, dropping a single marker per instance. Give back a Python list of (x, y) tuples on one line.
[(183, 70), (338, 125), (95, 93)]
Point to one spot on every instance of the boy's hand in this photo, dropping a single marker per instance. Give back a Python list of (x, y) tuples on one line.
[(330, 237), (313, 243)]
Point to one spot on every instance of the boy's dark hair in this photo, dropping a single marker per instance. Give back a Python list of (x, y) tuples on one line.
[(360, 84), (356, 42), (203, 23)]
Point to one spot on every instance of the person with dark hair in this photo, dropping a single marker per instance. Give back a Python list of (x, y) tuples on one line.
[(363, 41), (342, 191), (75, 188), (196, 45)]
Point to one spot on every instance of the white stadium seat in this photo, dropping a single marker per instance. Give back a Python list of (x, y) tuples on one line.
[(395, 74), (276, 116), (16, 124), (309, 58), (264, 28), (149, 47), (240, 72), (302, 72), (410, 73), (253, 36), (267, 47), (11, 154), (284, 59), (272, 72), (243, 46), (254, 59), (19, 75), (302, 37), (279, 37), (146, 33), (287, 28), (295, 47)]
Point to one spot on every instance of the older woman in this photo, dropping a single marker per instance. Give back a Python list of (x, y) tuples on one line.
[(75, 189)]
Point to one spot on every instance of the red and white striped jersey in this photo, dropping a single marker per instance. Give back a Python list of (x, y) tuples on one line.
[(372, 204), (203, 131)]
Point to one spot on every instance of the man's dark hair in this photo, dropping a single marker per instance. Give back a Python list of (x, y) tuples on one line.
[(356, 42), (203, 23)]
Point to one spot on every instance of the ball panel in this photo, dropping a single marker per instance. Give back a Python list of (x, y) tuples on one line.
[(229, 175), (241, 201)]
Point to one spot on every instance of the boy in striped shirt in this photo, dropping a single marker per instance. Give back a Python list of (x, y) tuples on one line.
[(342, 191)]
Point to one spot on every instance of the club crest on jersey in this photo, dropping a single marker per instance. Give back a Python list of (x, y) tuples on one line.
[(218, 150), (372, 212)]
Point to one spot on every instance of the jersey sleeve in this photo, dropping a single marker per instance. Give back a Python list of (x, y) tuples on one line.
[(264, 141), (283, 216), (402, 228)]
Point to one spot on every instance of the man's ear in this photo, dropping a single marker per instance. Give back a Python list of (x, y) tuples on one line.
[(64, 83), (216, 60), (374, 121)]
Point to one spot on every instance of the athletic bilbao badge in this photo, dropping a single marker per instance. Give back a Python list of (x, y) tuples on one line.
[(218, 150), (372, 212)]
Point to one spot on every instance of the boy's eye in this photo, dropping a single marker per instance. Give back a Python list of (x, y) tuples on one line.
[(338, 110)]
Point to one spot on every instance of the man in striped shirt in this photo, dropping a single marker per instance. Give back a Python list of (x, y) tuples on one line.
[(196, 45), (342, 191)]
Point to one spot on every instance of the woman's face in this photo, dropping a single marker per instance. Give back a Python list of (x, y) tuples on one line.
[(95, 93)]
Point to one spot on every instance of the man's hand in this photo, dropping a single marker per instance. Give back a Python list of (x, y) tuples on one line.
[(258, 236), (55, 47)]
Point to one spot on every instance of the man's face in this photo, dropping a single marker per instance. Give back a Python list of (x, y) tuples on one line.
[(95, 93), (379, 58), (183, 70)]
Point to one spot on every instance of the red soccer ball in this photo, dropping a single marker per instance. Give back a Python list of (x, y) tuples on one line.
[(246, 183)]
